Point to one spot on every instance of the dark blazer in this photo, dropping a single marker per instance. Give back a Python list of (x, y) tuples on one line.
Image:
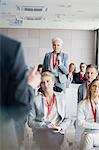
[(15, 94), (13, 87), (77, 78), (82, 91)]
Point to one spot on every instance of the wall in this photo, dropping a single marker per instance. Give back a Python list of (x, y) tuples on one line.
[(79, 44)]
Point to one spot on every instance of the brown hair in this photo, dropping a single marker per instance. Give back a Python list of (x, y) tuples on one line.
[(74, 67), (90, 86)]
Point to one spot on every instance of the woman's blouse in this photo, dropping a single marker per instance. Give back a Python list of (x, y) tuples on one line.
[(85, 117)]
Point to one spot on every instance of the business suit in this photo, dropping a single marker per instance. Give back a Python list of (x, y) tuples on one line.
[(77, 79), (82, 92), (15, 94), (62, 68), (36, 116)]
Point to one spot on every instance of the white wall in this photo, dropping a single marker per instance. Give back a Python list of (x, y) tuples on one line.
[(79, 44)]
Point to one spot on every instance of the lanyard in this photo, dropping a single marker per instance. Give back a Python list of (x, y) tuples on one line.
[(49, 106), (81, 78), (54, 61), (93, 110)]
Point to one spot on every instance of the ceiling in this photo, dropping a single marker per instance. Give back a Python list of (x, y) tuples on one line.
[(50, 14)]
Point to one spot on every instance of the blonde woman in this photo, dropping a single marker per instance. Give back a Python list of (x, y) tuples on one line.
[(49, 117), (88, 117), (56, 62)]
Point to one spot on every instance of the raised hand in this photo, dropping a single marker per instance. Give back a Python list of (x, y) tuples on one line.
[(34, 78)]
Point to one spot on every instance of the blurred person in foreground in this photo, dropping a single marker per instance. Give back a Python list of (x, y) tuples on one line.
[(16, 93)]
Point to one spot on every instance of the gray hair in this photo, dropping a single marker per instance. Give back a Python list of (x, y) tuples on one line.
[(57, 39)]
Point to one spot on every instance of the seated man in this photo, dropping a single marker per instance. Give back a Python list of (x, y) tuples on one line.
[(91, 74), (80, 77)]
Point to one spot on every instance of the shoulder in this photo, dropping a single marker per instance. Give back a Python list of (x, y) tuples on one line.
[(83, 103), (48, 54), (38, 98), (9, 40), (10, 46), (60, 95), (77, 74), (64, 54), (82, 85)]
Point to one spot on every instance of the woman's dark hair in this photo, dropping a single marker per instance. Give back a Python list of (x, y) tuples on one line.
[(39, 66)]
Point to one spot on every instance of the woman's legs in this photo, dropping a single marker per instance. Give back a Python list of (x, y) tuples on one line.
[(48, 140)]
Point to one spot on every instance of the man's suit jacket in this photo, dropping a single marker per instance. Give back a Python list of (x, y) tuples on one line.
[(62, 68), (82, 92), (37, 113), (13, 87), (15, 94), (77, 78)]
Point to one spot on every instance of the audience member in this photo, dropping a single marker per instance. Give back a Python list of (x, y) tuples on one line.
[(15, 93), (80, 77), (49, 117), (72, 71), (56, 62), (40, 68), (88, 117), (91, 74)]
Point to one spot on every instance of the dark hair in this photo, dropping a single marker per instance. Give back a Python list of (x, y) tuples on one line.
[(39, 66), (74, 67), (92, 66), (82, 63)]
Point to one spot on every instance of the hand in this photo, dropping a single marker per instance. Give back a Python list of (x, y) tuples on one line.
[(34, 78), (57, 128)]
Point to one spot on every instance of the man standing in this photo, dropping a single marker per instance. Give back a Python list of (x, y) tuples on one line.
[(16, 93)]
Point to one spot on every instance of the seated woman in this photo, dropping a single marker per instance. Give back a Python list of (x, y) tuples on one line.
[(48, 117), (88, 117), (72, 71)]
